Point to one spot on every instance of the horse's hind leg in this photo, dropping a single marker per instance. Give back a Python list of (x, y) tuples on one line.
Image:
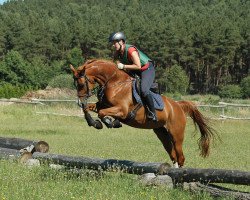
[(177, 132), (172, 143), (167, 141)]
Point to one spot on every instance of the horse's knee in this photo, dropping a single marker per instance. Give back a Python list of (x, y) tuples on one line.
[(101, 114)]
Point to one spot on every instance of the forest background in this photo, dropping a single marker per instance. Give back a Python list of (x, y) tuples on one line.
[(200, 46)]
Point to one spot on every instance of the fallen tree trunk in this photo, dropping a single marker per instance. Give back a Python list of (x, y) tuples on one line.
[(217, 191), (6, 153), (15, 143), (97, 163), (181, 175), (150, 179), (209, 175), (178, 175)]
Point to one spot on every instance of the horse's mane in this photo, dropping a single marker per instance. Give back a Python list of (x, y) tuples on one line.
[(92, 61)]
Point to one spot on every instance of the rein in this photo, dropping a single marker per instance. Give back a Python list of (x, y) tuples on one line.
[(101, 89), (98, 91)]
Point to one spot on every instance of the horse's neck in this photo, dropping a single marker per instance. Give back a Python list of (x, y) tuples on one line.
[(108, 75)]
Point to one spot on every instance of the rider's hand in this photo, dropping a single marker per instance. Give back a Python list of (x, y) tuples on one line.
[(120, 66)]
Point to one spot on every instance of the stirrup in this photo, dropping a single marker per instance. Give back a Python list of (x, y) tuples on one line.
[(151, 116)]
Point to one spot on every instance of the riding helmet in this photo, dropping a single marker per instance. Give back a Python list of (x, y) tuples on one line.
[(117, 36)]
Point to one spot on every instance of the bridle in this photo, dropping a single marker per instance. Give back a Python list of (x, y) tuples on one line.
[(98, 90), (82, 99)]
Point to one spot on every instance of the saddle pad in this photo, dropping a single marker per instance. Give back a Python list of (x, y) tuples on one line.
[(158, 102)]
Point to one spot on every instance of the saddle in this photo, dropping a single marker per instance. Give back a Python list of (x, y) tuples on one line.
[(158, 102), (154, 88)]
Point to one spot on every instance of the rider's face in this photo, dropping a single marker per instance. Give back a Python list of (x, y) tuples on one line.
[(117, 45)]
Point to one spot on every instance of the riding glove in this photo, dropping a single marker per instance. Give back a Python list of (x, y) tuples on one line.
[(120, 66)]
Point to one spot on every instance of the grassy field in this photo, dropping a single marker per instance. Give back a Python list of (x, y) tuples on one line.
[(72, 136)]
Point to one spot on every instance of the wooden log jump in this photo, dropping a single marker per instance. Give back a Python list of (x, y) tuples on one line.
[(192, 178), (15, 143), (177, 174), (6, 153), (217, 191)]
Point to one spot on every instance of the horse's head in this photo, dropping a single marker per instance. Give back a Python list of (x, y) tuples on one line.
[(83, 83), (92, 72)]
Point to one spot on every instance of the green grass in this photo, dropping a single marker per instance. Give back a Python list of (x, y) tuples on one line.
[(72, 136), (18, 182)]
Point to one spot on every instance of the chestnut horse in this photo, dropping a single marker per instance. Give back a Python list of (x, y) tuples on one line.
[(116, 101)]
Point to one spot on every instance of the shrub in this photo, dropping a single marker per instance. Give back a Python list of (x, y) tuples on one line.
[(11, 91), (62, 81), (231, 91), (245, 85)]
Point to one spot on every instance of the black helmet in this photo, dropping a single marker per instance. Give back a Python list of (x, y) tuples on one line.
[(117, 36)]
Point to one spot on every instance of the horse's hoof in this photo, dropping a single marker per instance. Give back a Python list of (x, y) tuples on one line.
[(117, 124), (108, 122), (98, 124)]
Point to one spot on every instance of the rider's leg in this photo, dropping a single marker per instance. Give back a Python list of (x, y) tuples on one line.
[(150, 103), (147, 79)]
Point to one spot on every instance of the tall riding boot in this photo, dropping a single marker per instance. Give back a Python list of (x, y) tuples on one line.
[(151, 109)]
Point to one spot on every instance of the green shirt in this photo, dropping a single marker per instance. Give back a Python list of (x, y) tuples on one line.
[(144, 59)]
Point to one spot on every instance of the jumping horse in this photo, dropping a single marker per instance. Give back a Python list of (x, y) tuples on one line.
[(116, 103)]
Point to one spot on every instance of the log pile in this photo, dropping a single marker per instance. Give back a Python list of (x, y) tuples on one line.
[(177, 174), (151, 173)]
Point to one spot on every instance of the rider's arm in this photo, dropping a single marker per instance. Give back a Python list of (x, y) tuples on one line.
[(134, 57)]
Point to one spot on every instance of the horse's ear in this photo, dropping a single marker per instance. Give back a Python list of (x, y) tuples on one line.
[(72, 68)]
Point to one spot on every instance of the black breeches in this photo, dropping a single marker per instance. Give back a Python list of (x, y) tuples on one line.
[(147, 79)]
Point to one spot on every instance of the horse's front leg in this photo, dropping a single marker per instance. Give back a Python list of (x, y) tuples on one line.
[(94, 107), (91, 122), (115, 112)]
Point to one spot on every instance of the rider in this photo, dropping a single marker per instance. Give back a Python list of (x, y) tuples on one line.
[(132, 59)]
